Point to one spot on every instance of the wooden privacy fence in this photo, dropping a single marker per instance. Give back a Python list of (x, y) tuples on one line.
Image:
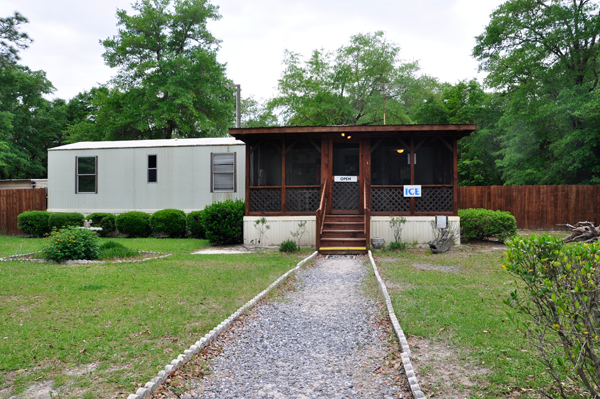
[(16, 201), (536, 207)]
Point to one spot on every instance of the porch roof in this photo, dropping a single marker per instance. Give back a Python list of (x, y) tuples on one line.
[(371, 130)]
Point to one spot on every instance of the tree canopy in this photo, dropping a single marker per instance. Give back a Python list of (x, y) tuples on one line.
[(169, 81), (542, 56), (346, 87)]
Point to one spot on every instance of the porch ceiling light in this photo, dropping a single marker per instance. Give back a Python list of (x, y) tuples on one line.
[(400, 150), (343, 134), (349, 137)]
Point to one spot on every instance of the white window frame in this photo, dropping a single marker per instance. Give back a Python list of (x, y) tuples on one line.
[(77, 175), (149, 169), (213, 173)]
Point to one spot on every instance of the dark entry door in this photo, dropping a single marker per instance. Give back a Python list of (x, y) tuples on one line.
[(345, 189)]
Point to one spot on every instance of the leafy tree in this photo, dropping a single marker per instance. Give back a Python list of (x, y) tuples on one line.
[(257, 114), (11, 40), (542, 55), (29, 124), (345, 87), (169, 80)]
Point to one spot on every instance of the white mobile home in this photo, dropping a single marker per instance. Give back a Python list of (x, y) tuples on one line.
[(145, 175)]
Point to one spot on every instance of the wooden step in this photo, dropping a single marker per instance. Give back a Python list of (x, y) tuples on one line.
[(343, 234), (343, 242), (342, 250), (343, 218), (344, 225)]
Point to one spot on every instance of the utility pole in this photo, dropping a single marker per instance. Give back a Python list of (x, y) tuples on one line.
[(383, 87), (238, 106)]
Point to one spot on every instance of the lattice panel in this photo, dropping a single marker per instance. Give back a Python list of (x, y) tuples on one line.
[(302, 199), (344, 196), (434, 199), (389, 199), (265, 200)]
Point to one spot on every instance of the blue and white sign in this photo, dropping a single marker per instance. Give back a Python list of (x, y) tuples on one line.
[(346, 179), (412, 191)]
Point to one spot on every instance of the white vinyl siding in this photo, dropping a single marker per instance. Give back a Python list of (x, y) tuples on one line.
[(223, 172)]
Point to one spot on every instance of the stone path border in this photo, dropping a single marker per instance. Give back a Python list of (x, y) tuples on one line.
[(82, 262), (152, 385), (408, 368)]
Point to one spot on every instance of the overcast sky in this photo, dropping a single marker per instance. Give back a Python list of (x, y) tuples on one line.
[(254, 33)]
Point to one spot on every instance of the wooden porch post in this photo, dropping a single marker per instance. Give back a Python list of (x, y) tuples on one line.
[(455, 193)]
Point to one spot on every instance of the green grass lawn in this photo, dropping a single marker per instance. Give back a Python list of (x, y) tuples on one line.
[(101, 330), (457, 298)]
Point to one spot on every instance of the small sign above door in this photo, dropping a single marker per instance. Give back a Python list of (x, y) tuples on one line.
[(345, 179)]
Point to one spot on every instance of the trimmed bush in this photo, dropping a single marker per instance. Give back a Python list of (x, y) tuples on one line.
[(224, 222), (107, 221), (34, 223), (109, 225), (170, 222), (71, 243), (68, 219), (480, 224), (195, 224), (288, 246), (134, 224)]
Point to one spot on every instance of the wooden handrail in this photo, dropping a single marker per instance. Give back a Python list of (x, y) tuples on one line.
[(321, 213), (367, 212)]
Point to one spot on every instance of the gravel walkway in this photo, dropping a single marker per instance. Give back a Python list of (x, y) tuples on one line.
[(319, 341)]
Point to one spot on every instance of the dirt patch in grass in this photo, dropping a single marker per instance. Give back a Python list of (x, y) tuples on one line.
[(437, 268), (440, 372)]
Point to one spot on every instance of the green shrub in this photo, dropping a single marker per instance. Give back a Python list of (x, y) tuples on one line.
[(71, 243), (224, 221), (34, 223), (134, 224), (480, 224), (67, 219), (109, 225), (397, 246), (559, 293), (195, 224), (107, 221), (112, 250), (170, 222), (288, 246)]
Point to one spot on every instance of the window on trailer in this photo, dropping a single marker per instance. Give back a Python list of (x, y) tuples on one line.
[(87, 176), (223, 173), (152, 169)]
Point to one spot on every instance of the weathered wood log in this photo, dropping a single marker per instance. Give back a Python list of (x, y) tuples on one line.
[(582, 232), (443, 243)]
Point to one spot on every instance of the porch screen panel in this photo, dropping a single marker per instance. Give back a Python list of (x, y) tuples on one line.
[(303, 164), (265, 164), (303, 168), (389, 163), (434, 161)]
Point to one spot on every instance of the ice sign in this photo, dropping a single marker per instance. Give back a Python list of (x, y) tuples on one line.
[(412, 191)]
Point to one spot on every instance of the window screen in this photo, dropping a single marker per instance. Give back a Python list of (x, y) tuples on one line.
[(152, 169), (223, 172), (86, 178)]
